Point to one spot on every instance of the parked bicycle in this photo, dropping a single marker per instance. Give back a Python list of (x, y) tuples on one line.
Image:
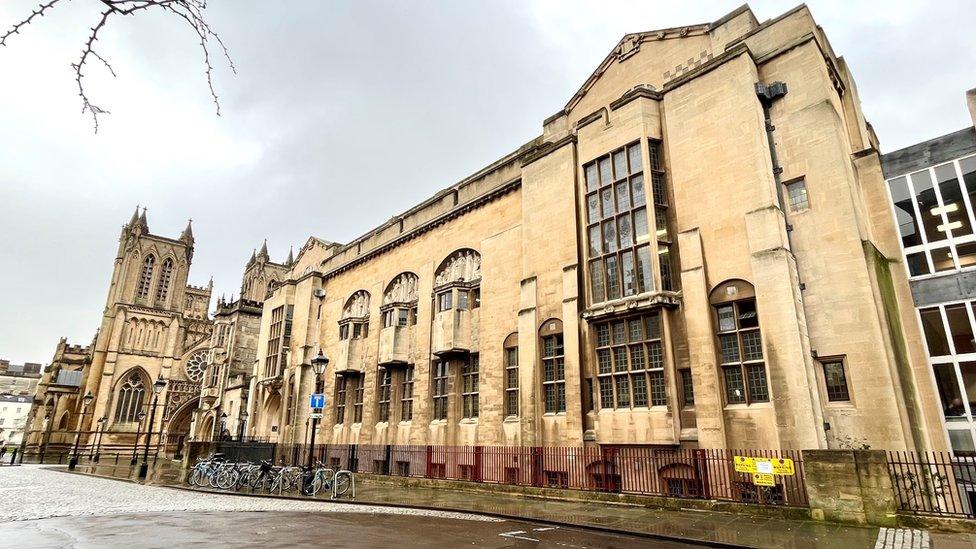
[(215, 471)]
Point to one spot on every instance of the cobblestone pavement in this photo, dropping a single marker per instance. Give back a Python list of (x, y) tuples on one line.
[(35, 492)]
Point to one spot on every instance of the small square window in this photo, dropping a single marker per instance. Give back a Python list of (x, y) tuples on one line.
[(797, 193)]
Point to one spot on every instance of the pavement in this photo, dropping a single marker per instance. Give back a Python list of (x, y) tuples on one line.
[(657, 527), (44, 507)]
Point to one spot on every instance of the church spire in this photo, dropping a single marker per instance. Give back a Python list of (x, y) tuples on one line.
[(135, 218), (187, 235), (264, 249), (291, 257), (142, 221)]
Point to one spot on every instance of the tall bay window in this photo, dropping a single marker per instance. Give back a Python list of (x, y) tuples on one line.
[(618, 235), (357, 407), (630, 362), (384, 393), (662, 224), (739, 343), (469, 386), (934, 211), (274, 341), (340, 399), (949, 335), (511, 376), (553, 367), (406, 394), (439, 381)]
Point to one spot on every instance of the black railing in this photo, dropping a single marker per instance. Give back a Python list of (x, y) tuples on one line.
[(934, 483)]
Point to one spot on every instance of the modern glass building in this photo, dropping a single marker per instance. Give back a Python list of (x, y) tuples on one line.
[(933, 191)]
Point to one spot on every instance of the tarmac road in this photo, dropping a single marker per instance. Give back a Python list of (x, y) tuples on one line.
[(302, 529)]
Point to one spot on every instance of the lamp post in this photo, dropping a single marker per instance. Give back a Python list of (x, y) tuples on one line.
[(241, 422), (319, 363), (223, 425), (135, 445), (158, 387), (98, 438), (85, 401)]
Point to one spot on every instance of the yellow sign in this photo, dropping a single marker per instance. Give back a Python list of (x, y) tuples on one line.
[(783, 466), (745, 464), (763, 479)]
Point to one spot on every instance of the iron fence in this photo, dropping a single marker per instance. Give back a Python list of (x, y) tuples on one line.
[(642, 470), (934, 483)]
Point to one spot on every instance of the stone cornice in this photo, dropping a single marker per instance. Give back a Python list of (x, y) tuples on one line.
[(475, 203)]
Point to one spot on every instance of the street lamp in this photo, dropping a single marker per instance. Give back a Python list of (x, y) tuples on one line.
[(157, 388), (319, 364), (98, 438), (85, 401), (135, 445), (223, 424), (241, 424)]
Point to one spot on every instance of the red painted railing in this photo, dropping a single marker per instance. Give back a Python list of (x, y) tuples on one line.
[(644, 470)]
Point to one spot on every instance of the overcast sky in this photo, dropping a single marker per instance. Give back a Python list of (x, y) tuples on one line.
[(342, 115)]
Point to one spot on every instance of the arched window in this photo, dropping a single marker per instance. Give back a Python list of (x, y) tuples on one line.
[(145, 278), (162, 287), (739, 342), (457, 281), (355, 317), (131, 393), (553, 366), (399, 306)]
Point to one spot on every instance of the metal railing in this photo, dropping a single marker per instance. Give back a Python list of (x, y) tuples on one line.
[(84, 458), (642, 470), (934, 483)]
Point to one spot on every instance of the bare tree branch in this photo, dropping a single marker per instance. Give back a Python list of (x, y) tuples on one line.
[(39, 12), (190, 11)]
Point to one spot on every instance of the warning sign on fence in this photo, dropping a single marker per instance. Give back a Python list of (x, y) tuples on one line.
[(766, 466), (783, 466), (745, 464), (763, 479)]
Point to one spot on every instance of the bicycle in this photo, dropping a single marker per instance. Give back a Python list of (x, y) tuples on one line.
[(323, 477)]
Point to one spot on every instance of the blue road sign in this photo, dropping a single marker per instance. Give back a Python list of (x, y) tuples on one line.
[(317, 400)]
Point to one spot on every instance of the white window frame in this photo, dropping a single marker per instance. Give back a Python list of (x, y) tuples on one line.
[(950, 242)]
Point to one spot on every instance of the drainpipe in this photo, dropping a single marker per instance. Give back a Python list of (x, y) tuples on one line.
[(767, 94)]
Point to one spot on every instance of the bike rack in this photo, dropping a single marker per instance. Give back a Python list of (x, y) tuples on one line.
[(352, 477)]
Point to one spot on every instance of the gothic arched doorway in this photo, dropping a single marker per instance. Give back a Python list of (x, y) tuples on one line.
[(178, 429)]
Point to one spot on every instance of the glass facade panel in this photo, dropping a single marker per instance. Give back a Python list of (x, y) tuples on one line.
[(905, 216), (942, 259), (918, 264), (928, 206), (935, 335), (953, 204), (949, 394), (960, 329)]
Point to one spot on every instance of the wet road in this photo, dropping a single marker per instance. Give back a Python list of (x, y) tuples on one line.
[(41, 507), (289, 529)]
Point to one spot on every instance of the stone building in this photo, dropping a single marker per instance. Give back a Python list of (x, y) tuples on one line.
[(233, 348), (19, 379), (932, 187), (696, 251), (154, 325)]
